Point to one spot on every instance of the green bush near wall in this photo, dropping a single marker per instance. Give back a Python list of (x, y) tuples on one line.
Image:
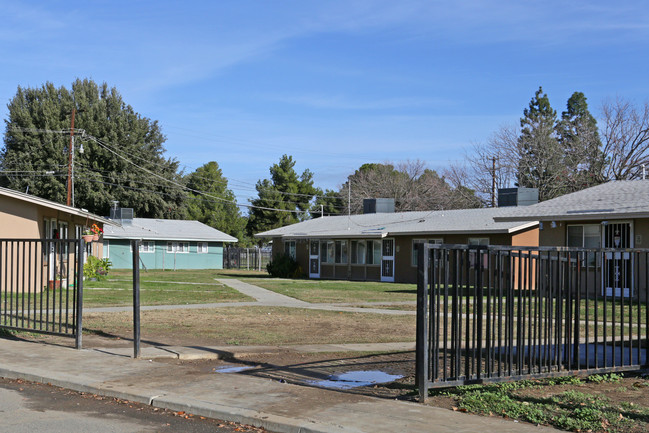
[(284, 266), (96, 268)]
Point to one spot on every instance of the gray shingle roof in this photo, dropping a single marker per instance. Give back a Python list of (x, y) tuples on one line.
[(402, 223), (161, 229), (615, 199)]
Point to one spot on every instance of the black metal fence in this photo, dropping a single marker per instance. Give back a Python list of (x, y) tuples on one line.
[(41, 286), (491, 313), (246, 258)]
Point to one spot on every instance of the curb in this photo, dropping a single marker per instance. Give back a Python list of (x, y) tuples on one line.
[(162, 400)]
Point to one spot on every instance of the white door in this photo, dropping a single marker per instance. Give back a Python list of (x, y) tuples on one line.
[(314, 259), (618, 270), (387, 260)]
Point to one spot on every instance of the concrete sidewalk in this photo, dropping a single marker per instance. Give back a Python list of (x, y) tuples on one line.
[(278, 407)]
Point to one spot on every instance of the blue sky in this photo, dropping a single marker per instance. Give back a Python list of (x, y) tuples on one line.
[(335, 84)]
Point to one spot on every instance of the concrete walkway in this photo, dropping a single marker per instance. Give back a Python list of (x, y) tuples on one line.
[(279, 407), (263, 296)]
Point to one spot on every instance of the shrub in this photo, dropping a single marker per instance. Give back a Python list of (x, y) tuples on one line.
[(96, 268), (284, 266)]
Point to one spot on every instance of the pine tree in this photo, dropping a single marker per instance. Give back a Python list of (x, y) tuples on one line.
[(37, 158), (540, 163), (217, 208), (283, 199), (582, 148)]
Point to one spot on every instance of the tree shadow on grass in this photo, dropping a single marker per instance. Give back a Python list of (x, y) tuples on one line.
[(410, 292)]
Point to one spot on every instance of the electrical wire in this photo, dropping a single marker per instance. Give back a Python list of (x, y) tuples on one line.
[(111, 149)]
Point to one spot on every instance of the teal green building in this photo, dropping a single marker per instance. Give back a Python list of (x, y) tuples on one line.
[(165, 244)]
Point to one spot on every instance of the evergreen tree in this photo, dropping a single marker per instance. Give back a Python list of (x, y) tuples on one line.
[(218, 207), (582, 148), (283, 199), (328, 202), (540, 156), (38, 157)]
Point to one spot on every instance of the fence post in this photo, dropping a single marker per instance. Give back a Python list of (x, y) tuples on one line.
[(81, 248), (421, 378), (136, 297)]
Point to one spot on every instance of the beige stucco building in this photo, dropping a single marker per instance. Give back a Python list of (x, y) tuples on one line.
[(25, 220)]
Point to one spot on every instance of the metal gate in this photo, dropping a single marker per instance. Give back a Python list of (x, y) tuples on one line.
[(492, 313), (246, 258), (41, 286)]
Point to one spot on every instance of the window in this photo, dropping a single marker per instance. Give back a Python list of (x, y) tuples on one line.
[(146, 247), (327, 252), (323, 252), (289, 249), (472, 254), (421, 241), (585, 236), (373, 252), (201, 247), (478, 241), (63, 234), (177, 247), (341, 252), (359, 250)]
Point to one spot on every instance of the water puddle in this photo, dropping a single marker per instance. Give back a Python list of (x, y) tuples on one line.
[(230, 369), (354, 379)]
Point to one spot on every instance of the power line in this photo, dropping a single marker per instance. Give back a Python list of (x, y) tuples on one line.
[(100, 143), (110, 148)]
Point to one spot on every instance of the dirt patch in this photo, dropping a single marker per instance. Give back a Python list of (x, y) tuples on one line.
[(253, 326), (308, 369)]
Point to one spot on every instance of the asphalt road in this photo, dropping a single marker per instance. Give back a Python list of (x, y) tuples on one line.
[(27, 407)]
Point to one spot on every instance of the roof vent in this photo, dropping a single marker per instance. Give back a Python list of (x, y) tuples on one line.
[(517, 196), (378, 205), (125, 214)]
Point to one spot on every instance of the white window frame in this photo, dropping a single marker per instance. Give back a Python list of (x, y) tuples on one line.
[(147, 247), (202, 247), (178, 247), (150, 247)]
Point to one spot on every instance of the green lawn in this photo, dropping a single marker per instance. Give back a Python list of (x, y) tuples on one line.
[(338, 291), (187, 275), (160, 290)]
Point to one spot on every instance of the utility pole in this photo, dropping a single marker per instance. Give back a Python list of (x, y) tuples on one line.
[(70, 157), (493, 182), (349, 202)]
